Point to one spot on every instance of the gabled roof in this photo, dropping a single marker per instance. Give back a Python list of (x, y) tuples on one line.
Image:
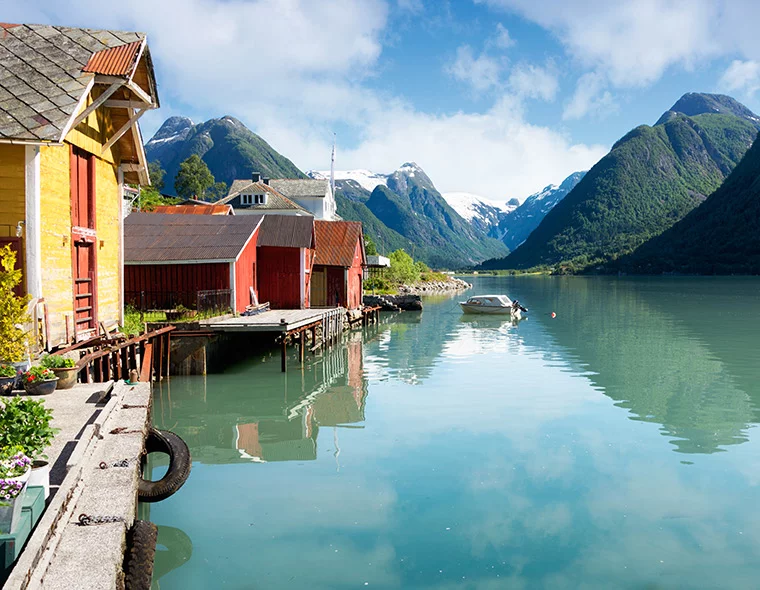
[(196, 209), (287, 231), (160, 238), (295, 188), (275, 200), (336, 242)]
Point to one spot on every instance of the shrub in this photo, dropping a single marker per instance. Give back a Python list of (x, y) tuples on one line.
[(25, 423), (56, 361), (13, 338)]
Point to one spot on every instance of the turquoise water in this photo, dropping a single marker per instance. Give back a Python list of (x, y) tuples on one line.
[(611, 447)]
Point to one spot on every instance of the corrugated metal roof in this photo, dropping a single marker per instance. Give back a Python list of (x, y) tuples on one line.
[(115, 61), (287, 231), (162, 238), (199, 209), (294, 188), (336, 242)]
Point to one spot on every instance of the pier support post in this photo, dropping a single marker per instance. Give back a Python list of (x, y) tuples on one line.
[(284, 359), (302, 345)]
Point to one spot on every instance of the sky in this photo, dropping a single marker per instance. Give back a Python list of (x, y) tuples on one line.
[(494, 97)]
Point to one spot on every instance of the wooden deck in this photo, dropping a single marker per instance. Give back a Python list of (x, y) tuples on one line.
[(276, 320)]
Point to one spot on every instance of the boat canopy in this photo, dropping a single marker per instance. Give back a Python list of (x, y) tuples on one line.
[(490, 300)]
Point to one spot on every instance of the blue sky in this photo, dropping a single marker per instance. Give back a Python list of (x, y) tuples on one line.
[(493, 97)]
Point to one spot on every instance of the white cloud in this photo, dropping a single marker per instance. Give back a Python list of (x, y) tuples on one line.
[(413, 6), (502, 39), (590, 97), (534, 82), (295, 70), (741, 76), (481, 73)]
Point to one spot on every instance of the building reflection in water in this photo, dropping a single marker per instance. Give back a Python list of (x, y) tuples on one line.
[(252, 414)]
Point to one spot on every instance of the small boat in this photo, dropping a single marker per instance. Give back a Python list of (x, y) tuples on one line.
[(492, 304)]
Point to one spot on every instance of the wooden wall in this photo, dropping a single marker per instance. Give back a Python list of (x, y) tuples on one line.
[(12, 183), (279, 277), (245, 274), (355, 277), (162, 282)]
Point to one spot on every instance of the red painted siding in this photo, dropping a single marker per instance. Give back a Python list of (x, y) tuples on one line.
[(355, 275), (308, 263), (163, 284), (279, 277), (245, 274)]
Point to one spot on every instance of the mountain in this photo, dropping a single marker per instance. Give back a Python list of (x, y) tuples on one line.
[(721, 236), (651, 179), (479, 211), (228, 147), (516, 227), (405, 210)]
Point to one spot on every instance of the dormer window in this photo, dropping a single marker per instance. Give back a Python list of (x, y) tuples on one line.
[(249, 199), (246, 199)]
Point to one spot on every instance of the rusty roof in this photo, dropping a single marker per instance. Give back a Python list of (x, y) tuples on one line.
[(199, 209), (287, 231), (336, 242), (115, 61), (158, 238)]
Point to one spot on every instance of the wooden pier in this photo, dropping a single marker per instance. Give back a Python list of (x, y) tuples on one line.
[(289, 324)]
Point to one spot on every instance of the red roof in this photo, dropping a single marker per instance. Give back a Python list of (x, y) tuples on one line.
[(115, 61), (336, 242), (200, 209)]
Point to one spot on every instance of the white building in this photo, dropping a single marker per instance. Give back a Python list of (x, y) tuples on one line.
[(313, 195)]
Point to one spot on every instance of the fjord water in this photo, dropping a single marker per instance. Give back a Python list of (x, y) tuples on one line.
[(611, 447)]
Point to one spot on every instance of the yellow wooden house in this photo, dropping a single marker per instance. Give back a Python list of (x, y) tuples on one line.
[(70, 146)]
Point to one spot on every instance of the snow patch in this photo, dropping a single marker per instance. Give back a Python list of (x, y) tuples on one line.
[(367, 179)]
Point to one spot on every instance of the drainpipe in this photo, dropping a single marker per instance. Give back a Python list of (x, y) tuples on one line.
[(120, 179), (33, 222)]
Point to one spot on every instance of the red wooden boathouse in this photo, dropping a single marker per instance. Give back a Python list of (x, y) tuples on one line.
[(285, 257), (169, 259), (339, 264)]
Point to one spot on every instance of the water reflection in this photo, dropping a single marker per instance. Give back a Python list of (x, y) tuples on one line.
[(252, 413)]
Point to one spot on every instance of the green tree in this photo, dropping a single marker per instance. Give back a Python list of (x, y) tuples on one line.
[(216, 192), (402, 270), (156, 175), (369, 246), (150, 198), (194, 178)]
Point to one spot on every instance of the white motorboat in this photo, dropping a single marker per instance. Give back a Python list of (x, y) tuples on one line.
[(492, 304)]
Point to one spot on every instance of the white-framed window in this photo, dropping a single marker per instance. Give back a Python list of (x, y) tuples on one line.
[(259, 199), (246, 199)]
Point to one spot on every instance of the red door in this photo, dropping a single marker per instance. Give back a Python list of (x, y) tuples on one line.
[(83, 240)]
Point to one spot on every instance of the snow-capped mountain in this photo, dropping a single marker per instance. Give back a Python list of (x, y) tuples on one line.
[(366, 179), (478, 210), (514, 228)]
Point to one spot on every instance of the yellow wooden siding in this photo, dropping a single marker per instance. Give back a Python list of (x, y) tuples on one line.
[(55, 238), (12, 183), (93, 133), (108, 205)]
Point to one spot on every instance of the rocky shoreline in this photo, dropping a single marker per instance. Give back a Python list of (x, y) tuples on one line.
[(433, 287)]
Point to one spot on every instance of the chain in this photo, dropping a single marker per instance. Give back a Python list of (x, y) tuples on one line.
[(122, 463), (123, 430), (130, 406), (87, 520)]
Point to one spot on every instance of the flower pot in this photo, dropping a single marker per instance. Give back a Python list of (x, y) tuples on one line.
[(40, 476), (7, 384), (67, 377), (11, 514), (41, 387)]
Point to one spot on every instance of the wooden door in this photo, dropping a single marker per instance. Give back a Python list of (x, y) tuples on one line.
[(319, 288), (83, 241)]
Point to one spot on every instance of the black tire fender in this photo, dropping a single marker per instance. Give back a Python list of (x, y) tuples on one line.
[(180, 462), (138, 559)]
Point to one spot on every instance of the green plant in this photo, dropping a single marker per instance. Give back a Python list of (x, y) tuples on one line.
[(56, 361), (37, 374), (7, 371), (13, 462), (25, 423), (13, 338)]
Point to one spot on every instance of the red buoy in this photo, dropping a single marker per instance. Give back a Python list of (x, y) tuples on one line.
[(554, 315)]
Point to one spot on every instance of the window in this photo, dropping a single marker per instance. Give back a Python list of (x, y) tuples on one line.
[(246, 199), (259, 199)]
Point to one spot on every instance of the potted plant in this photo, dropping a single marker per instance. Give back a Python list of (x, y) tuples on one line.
[(13, 314), (64, 368), (39, 381), (25, 424), (8, 378), (15, 469)]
